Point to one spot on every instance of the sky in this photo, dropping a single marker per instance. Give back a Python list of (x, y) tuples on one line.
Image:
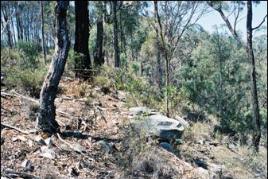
[(213, 18)]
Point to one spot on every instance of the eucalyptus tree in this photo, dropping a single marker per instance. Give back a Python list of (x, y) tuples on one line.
[(82, 62), (172, 19), (46, 117), (218, 6)]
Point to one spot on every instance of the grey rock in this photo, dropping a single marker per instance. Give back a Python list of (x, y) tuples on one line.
[(27, 166), (47, 153), (166, 146), (182, 121), (202, 173), (48, 142), (105, 146), (141, 110), (160, 126)]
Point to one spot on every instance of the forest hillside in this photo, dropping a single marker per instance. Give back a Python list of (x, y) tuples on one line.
[(133, 89)]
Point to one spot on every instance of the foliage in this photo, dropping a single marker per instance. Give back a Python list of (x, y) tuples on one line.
[(22, 74)]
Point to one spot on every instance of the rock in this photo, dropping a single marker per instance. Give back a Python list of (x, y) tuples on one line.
[(202, 173), (160, 126), (105, 146), (215, 170), (201, 163), (39, 140), (27, 166), (182, 121), (73, 172), (48, 153), (48, 142), (79, 148), (167, 146), (141, 111)]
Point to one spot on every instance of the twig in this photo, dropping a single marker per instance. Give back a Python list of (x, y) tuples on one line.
[(17, 129), (263, 20), (35, 101), (12, 174)]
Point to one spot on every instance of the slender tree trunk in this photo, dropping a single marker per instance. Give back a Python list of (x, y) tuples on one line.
[(42, 28), (115, 28), (9, 34), (98, 54), (166, 56), (18, 22), (82, 64), (46, 118), (255, 102), (158, 59)]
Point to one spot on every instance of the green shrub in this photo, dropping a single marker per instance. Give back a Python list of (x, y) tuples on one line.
[(30, 81), (31, 51)]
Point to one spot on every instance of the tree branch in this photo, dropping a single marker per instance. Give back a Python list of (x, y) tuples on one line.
[(263, 20)]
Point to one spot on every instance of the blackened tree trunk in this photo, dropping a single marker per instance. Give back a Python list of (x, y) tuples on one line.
[(42, 28), (98, 52), (46, 118), (82, 63), (115, 28), (255, 101)]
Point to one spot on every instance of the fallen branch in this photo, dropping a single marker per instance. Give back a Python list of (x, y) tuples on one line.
[(12, 174), (18, 129), (35, 101)]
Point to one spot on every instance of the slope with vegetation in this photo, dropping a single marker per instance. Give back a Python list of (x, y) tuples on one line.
[(145, 92)]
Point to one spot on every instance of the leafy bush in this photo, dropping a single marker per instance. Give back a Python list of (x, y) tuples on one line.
[(21, 74), (30, 81), (31, 51)]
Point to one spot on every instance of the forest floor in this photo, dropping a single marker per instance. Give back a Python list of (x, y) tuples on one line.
[(97, 142)]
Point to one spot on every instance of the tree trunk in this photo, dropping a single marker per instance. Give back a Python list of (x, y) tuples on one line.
[(115, 28), (18, 22), (46, 118), (82, 63), (9, 34), (42, 28), (98, 54), (255, 102), (158, 59), (166, 55)]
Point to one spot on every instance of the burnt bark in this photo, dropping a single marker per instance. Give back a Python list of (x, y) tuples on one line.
[(254, 93), (82, 63), (98, 52), (115, 29), (46, 117)]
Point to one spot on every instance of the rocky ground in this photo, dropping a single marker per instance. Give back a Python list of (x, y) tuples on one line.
[(99, 141)]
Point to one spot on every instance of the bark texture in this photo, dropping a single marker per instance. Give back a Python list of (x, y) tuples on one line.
[(46, 118), (98, 53), (115, 28), (255, 101), (82, 63)]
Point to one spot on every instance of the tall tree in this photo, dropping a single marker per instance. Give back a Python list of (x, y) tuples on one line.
[(42, 31), (255, 102), (46, 118), (248, 46), (82, 63), (176, 18), (98, 53), (7, 20), (115, 29), (18, 8)]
